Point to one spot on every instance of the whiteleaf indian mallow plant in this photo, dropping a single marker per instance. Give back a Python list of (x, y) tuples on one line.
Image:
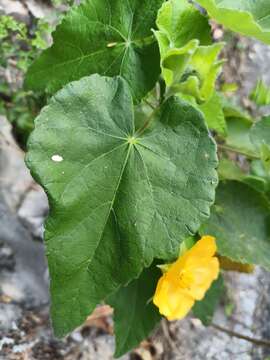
[(142, 212)]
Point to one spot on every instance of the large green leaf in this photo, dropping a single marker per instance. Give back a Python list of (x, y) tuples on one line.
[(118, 198), (248, 17), (135, 316), (240, 222), (205, 309), (106, 37)]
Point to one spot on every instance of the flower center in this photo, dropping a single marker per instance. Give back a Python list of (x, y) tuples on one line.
[(186, 279)]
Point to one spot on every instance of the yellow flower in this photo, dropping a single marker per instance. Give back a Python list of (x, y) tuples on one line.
[(187, 279)]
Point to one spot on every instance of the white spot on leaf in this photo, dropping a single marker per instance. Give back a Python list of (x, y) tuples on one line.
[(57, 158)]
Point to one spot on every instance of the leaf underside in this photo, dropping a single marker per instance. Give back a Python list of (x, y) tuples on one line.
[(117, 199)]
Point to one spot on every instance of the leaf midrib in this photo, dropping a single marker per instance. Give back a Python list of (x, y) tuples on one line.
[(112, 203)]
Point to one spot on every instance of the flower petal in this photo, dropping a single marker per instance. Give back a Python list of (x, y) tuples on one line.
[(172, 301), (204, 275), (205, 247)]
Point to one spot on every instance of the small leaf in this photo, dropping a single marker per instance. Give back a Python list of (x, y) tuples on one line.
[(192, 69), (214, 116), (175, 61), (229, 170), (205, 62), (204, 309), (257, 183), (238, 136), (248, 17), (118, 197), (260, 94), (265, 155), (260, 137), (257, 169), (180, 22), (187, 67), (240, 222), (204, 68), (260, 132), (231, 110), (135, 316), (83, 46)]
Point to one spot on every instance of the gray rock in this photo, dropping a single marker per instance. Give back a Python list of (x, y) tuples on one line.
[(100, 348), (38, 9), (15, 8), (33, 210), (15, 178), (9, 316), (27, 283), (7, 260)]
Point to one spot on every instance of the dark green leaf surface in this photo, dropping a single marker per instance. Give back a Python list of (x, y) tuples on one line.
[(260, 133), (240, 222), (135, 316), (118, 199), (205, 309), (248, 17), (108, 37)]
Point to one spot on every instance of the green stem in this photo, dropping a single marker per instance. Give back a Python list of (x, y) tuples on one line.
[(149, 104), (260, 342), (147, 122), (241, 152), (146, 41)]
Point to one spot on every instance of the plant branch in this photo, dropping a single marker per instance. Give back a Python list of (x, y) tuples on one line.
[(148, 121), (149, 104), (229, 148), (260, 342)]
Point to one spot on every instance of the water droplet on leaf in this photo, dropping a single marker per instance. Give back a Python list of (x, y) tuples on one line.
[(57, 158)]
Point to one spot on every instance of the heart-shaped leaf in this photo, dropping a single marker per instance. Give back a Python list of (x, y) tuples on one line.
[(118, 198), (105, 37)]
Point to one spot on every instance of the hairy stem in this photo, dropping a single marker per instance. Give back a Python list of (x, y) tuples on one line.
[(148, 121), (229, 148), (260, 342)]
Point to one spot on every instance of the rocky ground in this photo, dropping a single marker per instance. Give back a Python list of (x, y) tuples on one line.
[(25, 331)]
